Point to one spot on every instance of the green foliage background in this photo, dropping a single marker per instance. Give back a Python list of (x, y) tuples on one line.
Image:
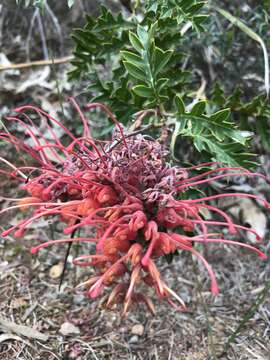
[(159, 56)]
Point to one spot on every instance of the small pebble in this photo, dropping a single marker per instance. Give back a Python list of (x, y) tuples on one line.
[(56, 271), (137, 329), (68, 329)]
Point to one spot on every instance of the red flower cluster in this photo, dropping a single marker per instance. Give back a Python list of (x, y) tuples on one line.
[(126, 196)]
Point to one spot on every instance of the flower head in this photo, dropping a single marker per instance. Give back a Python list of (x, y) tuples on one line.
[(129, 195)]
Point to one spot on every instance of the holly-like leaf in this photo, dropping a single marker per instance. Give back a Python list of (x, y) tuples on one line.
[(213, 134), (182, 11), (107, 30)]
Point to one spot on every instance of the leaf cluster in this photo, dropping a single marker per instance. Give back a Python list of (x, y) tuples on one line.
[(111, 73), (181, 11), (139, 63), (253, 115), (214, 133)]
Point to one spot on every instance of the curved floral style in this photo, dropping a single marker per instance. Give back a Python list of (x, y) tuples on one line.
[(129, 201)]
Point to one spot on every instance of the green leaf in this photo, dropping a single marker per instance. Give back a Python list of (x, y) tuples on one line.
[(180, 106), (161, 59), (199, 19), (232, 154), (133, 58), (135, 42), (213, 134), (143, 36), (221, 116), (161, 83), (196, 7), (177, 11), (135, 71), (152, 31), (110, 31), (217, 95), (198, 108), (143, 91)]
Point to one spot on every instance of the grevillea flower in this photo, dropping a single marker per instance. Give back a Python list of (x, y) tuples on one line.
[(126, 199)]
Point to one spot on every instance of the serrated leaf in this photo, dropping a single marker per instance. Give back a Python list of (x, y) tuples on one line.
[(100, 42), (231, 154), (220, 130), (215, 135), (178, 11)]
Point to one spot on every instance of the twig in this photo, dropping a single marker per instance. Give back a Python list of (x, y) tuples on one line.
[(8, 337), (37, 63), (253, 35), (42, 36), (56, 24), (171, 347), (66, 258), (60, 95), (199, 93), (13, 167), (30, 34), (140, 116), (29, 311), (22, 330)]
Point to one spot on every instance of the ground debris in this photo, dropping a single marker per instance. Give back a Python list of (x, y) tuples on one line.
[(68, 329), (22, 330)]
